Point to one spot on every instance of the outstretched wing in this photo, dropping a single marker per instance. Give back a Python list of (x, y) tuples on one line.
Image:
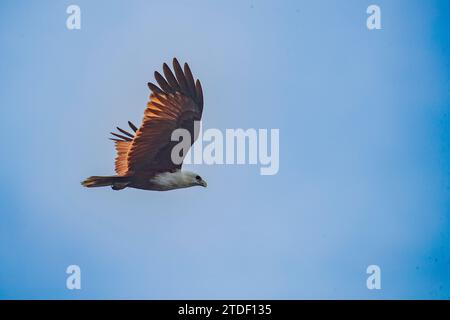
[(176, 103)]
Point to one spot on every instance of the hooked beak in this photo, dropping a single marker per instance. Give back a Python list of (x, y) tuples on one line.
[(203, 183)]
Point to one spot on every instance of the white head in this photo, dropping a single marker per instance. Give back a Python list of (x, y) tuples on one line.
[(178, 179), (192, 179)]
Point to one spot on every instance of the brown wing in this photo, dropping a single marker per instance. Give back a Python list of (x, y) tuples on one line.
[(176, 103), (123, 143)]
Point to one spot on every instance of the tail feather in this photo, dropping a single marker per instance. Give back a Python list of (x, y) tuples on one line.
[(116, 182)]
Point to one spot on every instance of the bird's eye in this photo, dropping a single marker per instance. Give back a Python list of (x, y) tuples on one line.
[(198, 178)]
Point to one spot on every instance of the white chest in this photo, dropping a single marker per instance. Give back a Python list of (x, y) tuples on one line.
[(171, 180)]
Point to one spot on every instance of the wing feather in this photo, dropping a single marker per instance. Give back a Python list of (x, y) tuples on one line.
[(163, 83), (190, 81), (180, 77), (170, 77), (121, 136), (132, 126), (125, 132), (198, 89), (154, 88)]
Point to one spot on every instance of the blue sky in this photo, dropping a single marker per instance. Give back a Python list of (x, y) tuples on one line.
[(364, 150)]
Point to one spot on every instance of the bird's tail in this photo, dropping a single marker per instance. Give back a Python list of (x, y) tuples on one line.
[(116, 182)]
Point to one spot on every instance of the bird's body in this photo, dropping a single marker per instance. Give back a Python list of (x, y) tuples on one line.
[(144, 159)]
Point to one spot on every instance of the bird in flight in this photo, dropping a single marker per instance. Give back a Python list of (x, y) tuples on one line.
[(144, 158)]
